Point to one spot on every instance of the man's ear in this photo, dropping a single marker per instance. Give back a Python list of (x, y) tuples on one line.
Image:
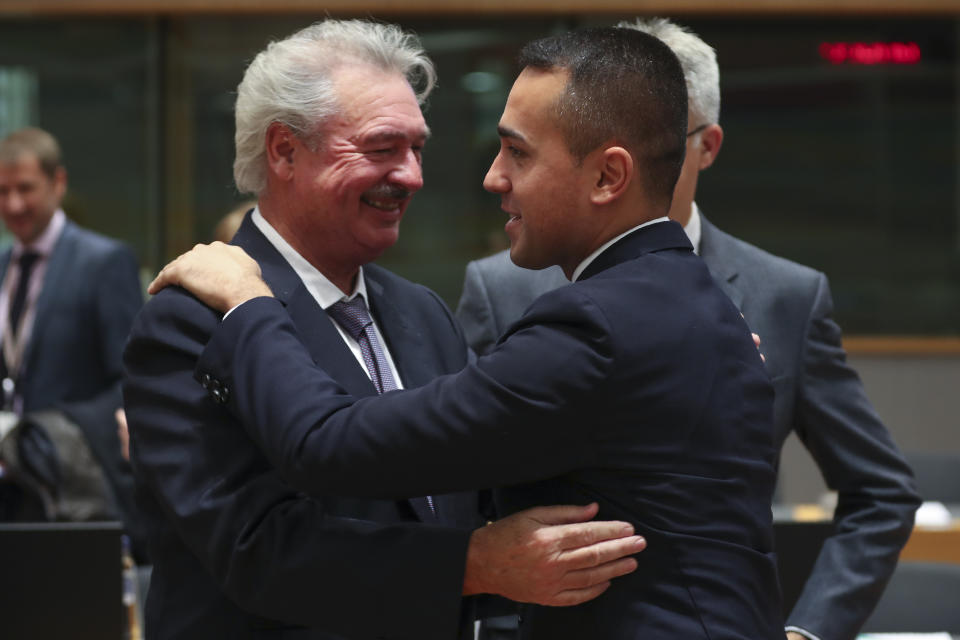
[(614, 171), (60, 182), (711, 139), (280, 146)]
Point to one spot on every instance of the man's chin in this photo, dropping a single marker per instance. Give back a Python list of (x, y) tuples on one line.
[(524, 260), (379, 243)]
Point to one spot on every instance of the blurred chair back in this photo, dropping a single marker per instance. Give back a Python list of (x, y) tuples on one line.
[(937, 474), (922, 597)]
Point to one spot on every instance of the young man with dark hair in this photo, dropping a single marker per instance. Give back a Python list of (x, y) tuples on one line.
[(638, 387)]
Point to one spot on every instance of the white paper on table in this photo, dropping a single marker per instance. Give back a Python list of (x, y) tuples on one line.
[(933, 514), (939, 635)]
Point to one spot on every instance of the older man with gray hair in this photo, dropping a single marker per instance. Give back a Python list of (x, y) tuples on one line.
[(329, 137), (817, 395)]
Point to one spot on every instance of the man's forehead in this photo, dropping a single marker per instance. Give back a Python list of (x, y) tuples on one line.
[(26, 172), (376, 106), (531, 102), (20, 160)]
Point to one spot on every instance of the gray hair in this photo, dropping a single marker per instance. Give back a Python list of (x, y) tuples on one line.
[(699, 63), (290, 82)]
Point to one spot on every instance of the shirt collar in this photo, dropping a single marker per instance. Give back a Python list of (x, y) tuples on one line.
[(43, 245), (323, 291), (593, 256), (693, 227)]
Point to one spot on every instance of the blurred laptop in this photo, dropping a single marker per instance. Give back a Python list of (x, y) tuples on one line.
[(61, 580)]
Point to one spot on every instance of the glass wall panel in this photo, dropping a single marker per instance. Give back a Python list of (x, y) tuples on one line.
[(849, 168), (91, 85), (845, 166)]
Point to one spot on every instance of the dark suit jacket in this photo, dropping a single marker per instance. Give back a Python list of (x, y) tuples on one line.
[(638, 387), (817, 395), (91, 293), (235, 548)]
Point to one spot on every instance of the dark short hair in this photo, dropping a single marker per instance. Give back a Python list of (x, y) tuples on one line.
[(32, 141), (625, 86)]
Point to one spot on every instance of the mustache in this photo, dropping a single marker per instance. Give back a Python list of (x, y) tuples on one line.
[(387, 192)]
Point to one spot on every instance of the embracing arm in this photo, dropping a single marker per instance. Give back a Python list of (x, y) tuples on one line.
[(516, 415), (858, 459), (278, 554)]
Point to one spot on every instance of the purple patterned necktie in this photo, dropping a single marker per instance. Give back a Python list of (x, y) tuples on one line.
[(352, 315)]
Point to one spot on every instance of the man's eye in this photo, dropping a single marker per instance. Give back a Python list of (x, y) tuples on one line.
[(513, 151)]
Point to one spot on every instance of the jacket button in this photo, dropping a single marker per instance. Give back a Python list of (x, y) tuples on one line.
[(219, 393)]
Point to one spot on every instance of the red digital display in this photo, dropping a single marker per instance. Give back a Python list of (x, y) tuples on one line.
[(871, 53)]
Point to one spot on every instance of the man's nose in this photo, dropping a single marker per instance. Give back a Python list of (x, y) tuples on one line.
[(12, 202), (409, 173), (496, 181)]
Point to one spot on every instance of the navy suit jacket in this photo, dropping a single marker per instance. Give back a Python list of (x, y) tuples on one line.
[(817, 395), (91, 293), (638, 387), (239, 553)]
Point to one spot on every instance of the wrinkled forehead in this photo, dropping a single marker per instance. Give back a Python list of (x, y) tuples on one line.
[(374, 102)]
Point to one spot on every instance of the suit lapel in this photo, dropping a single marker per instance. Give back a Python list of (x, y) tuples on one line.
[(61, 261), (4, 263), (724, 272), (405, 343), (322, 339)]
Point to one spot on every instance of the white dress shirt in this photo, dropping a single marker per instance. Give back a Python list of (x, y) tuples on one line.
[(325, 292), (43, 246)]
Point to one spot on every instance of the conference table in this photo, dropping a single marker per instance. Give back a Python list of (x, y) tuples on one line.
[(803, 528), (934, 544), (927, 543)]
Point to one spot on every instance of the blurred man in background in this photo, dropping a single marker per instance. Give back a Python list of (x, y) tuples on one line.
[(68, 297)]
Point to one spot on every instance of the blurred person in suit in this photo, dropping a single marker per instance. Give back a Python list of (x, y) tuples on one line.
[(329, 135), (68, 297), (660, 411), (818, 396), (228, 225)]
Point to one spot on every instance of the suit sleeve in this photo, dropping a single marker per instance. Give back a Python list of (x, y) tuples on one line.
[(514, 416), (858, 459), (475, 311), (273, 550)]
